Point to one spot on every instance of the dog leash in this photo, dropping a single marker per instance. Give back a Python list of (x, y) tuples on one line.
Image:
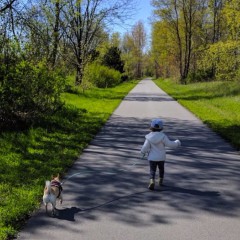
[(107, 172)]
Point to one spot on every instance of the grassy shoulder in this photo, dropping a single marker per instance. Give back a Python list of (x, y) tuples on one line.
[(216, 103), (30, 156)]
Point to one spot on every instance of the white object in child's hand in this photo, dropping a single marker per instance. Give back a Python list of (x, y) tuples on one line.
[(178, 142)]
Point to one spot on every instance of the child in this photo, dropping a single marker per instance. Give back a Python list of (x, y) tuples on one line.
[(154, 146)]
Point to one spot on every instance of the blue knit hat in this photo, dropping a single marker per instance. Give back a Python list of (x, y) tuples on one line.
[(157, 123)]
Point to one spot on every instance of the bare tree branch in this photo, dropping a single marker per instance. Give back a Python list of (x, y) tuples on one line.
[(6, 6)]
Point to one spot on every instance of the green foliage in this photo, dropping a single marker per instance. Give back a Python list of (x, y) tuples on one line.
[(232, 16), (101, 76), (6, 232), (164, 50), (215, 103), (200, 76), (225, 58), (197, 39), (178, 33), (133, 47), (112, 59), (28, 91)]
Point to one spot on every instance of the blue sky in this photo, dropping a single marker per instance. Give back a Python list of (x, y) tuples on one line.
[(142, 12)]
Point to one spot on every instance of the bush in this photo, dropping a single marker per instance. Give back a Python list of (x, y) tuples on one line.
[(101, 76), (200, 76), (124, 77), (28, 91), (225, 58), (112, 59)]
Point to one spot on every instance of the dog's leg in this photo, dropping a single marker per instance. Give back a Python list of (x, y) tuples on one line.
[(46, 208), (54, 209)]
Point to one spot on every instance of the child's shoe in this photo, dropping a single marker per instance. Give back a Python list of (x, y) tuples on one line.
[(160, 181), (151, 184)]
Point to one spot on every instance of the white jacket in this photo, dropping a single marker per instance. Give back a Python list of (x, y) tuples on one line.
[(155, 144)]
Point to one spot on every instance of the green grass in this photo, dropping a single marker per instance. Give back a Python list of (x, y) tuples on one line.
[(216, 103), (30, 156), (100, 101)]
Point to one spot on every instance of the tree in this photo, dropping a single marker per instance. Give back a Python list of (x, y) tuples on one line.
[(231, 15), (42, 24), (112, 59), (28, 86), (56, 33), (127, 54), (215, 31), (133, 50), (164, 50), (223, 53), (83, 25), (183, 18), (139, 41), (168, 11)]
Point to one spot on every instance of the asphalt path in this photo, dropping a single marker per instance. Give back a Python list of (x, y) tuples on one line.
[(106, 196)]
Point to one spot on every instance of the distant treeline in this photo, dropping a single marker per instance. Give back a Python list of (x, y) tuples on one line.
[(197, 39)]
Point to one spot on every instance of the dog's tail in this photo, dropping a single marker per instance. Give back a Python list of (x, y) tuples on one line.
[(48, 187)]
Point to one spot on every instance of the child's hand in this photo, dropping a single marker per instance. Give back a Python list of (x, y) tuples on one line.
[(178, 142)]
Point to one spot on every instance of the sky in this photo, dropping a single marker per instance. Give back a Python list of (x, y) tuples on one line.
[(142, 13)]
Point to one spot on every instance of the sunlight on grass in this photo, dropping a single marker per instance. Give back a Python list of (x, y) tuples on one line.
[(30, 156), (216, 103)]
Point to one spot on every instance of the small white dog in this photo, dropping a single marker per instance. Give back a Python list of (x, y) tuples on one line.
[(52, 191)]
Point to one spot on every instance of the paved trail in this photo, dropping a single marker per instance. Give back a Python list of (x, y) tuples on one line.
[(109, 199)]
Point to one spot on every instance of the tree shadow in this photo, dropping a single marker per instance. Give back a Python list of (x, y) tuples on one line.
[(201, 176), (146, 97), (203, 159)]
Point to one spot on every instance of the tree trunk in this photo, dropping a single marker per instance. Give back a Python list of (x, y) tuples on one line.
[(216, 29), (53, 56), (179, 41), (79, 75)]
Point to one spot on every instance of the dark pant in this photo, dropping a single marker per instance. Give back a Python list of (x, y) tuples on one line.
[(153, 167)]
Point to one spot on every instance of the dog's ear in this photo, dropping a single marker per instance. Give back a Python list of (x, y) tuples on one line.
[(59, 176), (56, 176)]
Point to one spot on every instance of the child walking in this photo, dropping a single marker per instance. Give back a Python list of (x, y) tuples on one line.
[(154, 146)]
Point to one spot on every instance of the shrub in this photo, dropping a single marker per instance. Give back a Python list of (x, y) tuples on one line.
[(225, 58), (124, 77), (29, 90), (102, 76), (200, 76), (112, 59)]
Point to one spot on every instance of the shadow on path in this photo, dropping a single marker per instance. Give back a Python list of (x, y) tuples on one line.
[(201, 177)]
